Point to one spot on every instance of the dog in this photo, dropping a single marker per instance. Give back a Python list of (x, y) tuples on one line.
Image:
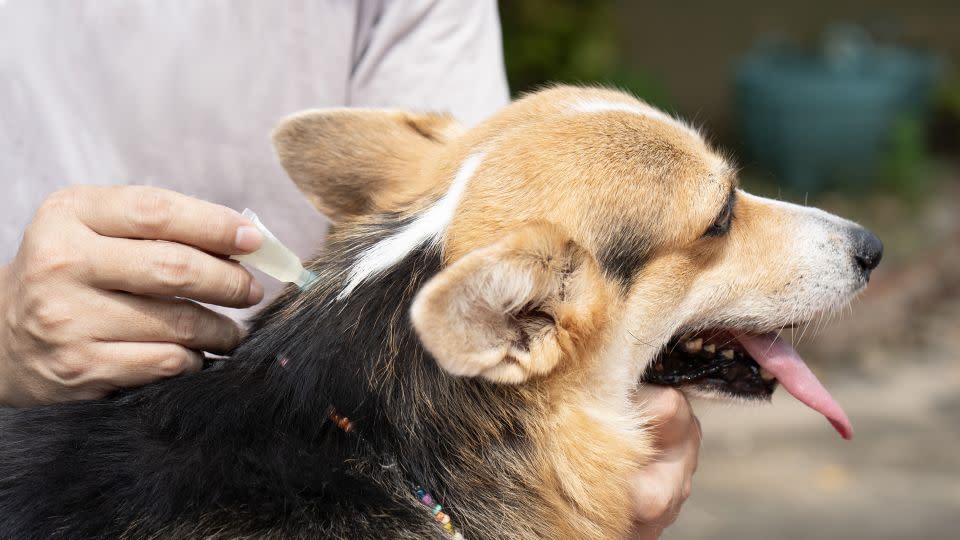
[(467, 361)]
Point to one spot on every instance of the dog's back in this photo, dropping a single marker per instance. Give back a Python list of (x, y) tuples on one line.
[(188, 459)]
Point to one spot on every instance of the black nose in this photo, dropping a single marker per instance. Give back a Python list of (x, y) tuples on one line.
[(867, 249)]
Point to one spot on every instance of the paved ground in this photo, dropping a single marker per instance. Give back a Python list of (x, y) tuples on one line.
[(780, 471)]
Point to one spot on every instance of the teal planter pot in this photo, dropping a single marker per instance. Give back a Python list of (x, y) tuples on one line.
[(819, 121)]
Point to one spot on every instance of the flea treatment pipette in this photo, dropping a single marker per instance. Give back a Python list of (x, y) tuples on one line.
[(273, 258)]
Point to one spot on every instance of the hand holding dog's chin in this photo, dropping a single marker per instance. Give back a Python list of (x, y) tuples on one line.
[(662, 487), (99, 295)]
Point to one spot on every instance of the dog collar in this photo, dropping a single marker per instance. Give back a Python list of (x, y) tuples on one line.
[(439, 516), (422, 495)]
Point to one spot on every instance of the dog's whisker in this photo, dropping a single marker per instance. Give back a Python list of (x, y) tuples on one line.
[(775, 339), (640, 341)]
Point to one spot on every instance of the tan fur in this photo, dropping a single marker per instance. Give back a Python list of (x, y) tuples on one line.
[(472, 318), (374, 163), (523, 299), (587, 172), (514, 309)]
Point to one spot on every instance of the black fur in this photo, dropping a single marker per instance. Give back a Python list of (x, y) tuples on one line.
[(623, 255), (246, 449)]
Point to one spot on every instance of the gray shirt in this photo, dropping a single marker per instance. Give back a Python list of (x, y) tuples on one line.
[(183, 95)]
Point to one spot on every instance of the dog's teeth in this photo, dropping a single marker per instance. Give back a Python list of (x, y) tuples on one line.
[(710, 348), (727, 353), (693, 345), (766, 375)]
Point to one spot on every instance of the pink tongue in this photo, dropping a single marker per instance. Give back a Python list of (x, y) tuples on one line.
[(780, 358)]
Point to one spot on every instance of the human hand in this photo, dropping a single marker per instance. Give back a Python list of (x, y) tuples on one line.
[(661, 488), (96, 298)]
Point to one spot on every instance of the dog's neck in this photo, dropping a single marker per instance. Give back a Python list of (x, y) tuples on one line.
[(359, 354), (468, 439)]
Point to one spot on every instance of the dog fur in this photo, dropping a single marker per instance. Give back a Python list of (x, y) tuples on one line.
[(486, 303)]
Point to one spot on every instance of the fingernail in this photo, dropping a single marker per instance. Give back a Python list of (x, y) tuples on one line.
[(248, 238), (256, 293)]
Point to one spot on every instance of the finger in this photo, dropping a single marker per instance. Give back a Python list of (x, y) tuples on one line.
[(127, 364), (130, 318), (657, 493), (156, 214), (669, 413), (170, 269), (690, 459), (685, 453), (696, 440)]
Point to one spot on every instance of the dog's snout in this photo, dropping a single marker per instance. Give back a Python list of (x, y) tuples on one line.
[(867, 249)]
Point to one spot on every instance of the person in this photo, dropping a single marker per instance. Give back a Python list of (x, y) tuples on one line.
[(169, 103)]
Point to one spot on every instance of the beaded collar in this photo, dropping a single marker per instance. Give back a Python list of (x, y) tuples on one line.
[(421, 494)]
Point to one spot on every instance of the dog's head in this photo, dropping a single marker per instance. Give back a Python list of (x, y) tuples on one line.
[(585, 232)]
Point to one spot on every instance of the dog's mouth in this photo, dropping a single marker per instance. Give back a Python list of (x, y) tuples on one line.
[(742, 365)]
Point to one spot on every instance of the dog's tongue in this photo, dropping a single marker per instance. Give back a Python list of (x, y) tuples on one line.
[(778, 356)]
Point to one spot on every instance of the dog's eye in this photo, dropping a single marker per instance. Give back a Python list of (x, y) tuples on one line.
[(721, 225)]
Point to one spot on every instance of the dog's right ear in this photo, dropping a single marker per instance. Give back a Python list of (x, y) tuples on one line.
[(351, 162), (515, 309)]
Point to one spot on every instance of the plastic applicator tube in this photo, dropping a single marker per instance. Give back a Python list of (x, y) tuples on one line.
[(273, 258)]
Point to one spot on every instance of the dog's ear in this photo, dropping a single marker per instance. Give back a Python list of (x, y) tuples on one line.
[(350, 162), (515, 309)]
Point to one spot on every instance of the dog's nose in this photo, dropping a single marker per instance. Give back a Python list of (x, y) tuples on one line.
[(867, 249)]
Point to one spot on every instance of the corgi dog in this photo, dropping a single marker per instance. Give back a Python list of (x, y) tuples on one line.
[(467, 362)]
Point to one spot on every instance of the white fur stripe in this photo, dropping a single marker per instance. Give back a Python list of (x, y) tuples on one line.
[(601, 105), (428, 226)]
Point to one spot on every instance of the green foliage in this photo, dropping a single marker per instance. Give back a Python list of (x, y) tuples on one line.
[(948, 96), (570, 41), (906, 168)]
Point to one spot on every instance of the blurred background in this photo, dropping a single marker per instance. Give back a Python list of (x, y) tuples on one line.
[(847, 105)]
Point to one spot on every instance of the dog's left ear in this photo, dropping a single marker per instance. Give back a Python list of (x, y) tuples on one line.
[(515, 309), (352, 162)]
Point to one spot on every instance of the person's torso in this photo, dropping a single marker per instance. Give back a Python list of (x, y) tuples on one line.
[(181, 95)]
